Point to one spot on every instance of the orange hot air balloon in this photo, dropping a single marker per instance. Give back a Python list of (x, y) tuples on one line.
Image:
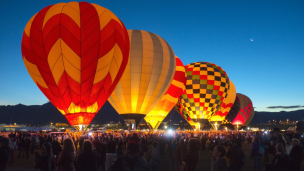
[(76, 53), (168, 101)]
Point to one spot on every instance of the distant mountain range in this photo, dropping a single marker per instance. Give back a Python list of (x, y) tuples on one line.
[(47, 113)]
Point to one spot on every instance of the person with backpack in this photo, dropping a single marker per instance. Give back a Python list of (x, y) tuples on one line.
[(255, 154), (236, 157), (132, 160)]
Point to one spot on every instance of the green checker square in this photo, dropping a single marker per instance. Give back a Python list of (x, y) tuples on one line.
[(196, 104), (215, 92), (191, 100), (203, 81), (189, 73), (210, 87), (220, 102), (218, 97), (184, 96), (195, 77)]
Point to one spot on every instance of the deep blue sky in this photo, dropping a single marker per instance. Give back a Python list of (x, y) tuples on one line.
[(269, 69)]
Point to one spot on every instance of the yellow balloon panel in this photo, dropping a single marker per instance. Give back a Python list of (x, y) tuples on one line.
[(226, 105), (168, 101), (148, 74)]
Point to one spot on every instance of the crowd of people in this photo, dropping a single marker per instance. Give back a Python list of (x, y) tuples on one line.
[(272, 151)]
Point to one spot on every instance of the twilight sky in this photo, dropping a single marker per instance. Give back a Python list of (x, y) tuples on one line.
[(260, 44)]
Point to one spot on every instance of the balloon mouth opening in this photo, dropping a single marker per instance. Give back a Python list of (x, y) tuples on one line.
[(80, 119)]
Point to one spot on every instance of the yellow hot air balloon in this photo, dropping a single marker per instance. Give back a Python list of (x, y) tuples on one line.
[(164, 106), (147, 77), (227, 104)]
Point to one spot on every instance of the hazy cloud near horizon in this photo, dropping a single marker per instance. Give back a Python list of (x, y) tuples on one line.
[(285, 107)]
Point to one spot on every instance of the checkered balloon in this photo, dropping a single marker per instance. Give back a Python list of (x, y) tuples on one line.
[(179, 108), (206, 88), (233, 112), (245, 111)]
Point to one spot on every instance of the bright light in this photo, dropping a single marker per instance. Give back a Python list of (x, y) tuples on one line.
[(166, 126), (90, 133), (265, 132), (169, 131)]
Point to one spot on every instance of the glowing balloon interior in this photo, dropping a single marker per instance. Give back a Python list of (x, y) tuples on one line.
[(245, 111), (147, 77), (164, 106), (206, 88), (75, 53)]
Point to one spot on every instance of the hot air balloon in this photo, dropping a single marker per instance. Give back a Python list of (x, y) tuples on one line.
[(147, 77), (249, 119), (245, 111), (233, 112), (76, 53), (220, 115), (164, 106), (206, 88), (179, 108)]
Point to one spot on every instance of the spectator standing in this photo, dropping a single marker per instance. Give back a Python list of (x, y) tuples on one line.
[(218, 153), (255, 155), (131, 161), (235, 157), (67, 156), (192, 155), (88, 159), (296, 153), (155, 160), (111, 152), (44, 161), (288, 146), (174, 162), (4, 153)]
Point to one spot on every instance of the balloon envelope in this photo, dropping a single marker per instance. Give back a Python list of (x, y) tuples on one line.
[(233, 111), (164, 106), (147, 77), (249, 119), (225, 106), (75, 53), (245, 111), (179, 108), (206, 88)]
